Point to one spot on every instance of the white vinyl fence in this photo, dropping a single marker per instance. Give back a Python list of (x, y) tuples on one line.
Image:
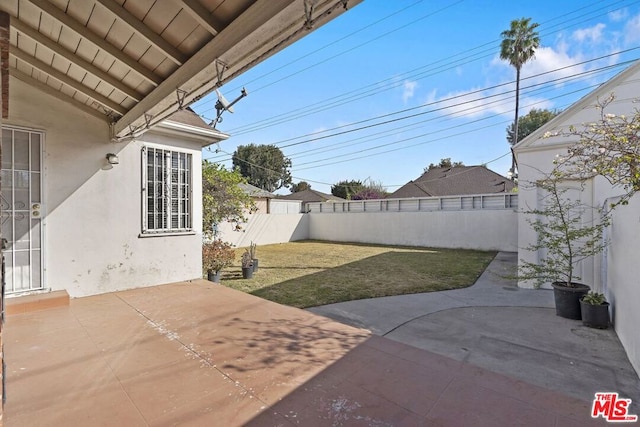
[(417, 204)]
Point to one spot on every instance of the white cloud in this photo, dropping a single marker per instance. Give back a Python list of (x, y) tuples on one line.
[(618, 15), (547, 60), (479, 103), (593, 34), (409, 89), (632, 30), (554, 63)]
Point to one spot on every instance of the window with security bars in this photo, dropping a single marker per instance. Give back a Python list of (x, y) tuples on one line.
[(167, 191)]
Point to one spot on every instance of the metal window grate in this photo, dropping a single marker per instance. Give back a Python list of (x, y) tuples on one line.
[(167, 188)]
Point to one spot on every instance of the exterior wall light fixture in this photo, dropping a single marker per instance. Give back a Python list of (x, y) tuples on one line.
[(112, 159)]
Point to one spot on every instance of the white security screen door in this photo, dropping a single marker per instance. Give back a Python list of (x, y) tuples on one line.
[(21, 209)]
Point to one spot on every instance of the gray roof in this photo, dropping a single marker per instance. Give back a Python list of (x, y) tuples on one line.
[(188, 117), (254, 191), (311, 196), (455, 181)]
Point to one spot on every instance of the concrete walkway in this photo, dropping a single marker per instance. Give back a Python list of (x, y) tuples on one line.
[(199, 354), (497, 326)]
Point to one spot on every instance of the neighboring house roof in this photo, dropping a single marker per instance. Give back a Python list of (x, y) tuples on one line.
[(311, 196), (254, 191), (455, 181), (623, 86)]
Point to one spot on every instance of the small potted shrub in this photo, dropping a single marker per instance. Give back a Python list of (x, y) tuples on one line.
[(216, 255), (564, 240), (247, 265), (595, 310)]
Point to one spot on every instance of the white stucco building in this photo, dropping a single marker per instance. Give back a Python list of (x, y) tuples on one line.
[(75, 222), (84, 81), (615, 272)]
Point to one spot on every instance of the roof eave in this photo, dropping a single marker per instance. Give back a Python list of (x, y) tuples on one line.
[(205, 136)]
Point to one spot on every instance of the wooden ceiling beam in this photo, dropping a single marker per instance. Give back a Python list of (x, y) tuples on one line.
[(143, 31), (100, 43), (63, 78), (202, 16), (258, 14), (56, 48)]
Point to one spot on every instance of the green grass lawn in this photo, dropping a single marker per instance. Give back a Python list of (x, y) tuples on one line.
[(310, 273)]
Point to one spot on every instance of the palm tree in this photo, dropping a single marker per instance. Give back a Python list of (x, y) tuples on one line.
[(519, 44)]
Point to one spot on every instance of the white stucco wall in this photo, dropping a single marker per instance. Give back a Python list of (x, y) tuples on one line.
[(615, 272), (92, 211), (622, 276), (266, 229), (478, 229), (534, 165)]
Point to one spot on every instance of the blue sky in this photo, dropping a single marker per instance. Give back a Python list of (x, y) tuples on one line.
[(431, 69)]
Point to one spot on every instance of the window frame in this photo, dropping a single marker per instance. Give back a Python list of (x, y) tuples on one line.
[(172, 206)]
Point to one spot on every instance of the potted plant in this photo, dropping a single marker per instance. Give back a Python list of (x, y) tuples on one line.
[(563, 240), (595, 310), (216, 255), (254, 260), (247, 265)]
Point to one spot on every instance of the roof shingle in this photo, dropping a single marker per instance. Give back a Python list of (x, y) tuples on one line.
[(455, 181)]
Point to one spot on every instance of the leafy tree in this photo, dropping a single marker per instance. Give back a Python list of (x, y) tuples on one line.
[(346, 189), (368, 193), (264, 166), (609, 147), (301, 186), (371, 191), (444, 163), (561, 234), (529, 123), (222, 198), (519, 44)]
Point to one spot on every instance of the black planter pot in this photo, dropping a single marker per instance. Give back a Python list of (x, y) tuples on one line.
[(247, 272), (568, 299), (255, 264), (595, 316), (214, 276)]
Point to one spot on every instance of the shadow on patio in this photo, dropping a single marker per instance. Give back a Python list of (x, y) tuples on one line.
[(201, 354)]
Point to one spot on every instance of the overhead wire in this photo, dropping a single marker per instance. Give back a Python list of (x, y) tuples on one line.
[(341, 41), (375, 87), (406, 147), (449, 106), (398, 113)]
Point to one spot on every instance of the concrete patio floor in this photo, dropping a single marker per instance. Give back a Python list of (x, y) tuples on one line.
[(201, 354), (508, 330)]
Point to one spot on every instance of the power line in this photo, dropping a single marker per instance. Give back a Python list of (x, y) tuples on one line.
[(406, 147), (342, 41), (448, 106), (298, 113)]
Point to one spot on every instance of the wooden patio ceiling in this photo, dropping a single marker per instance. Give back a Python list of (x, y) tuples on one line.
[(135, 62)]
